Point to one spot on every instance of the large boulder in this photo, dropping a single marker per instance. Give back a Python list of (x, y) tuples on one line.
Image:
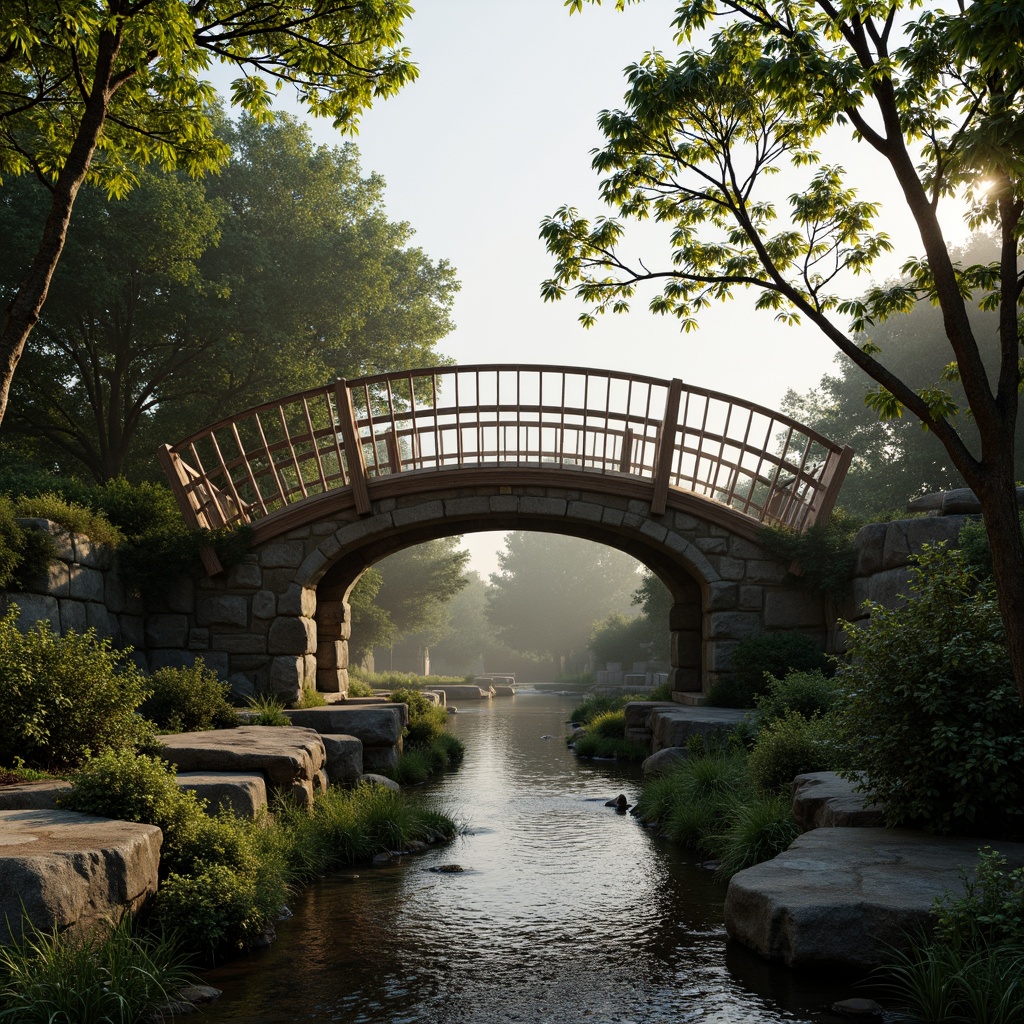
[(824, 800), (72, 871), (24, 796), (377, 725), (291, 759), (843, 897), (344, 759), (672, 725)]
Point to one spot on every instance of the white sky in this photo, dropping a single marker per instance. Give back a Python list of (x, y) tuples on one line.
[(496, 134)]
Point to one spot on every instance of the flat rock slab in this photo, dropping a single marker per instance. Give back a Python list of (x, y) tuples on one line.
[(72, 870), (23, 796), (824, 800), (291, 759), (673, 726), (842, 897), (463, 691), (245, 793), (377, 725), (344, 759)]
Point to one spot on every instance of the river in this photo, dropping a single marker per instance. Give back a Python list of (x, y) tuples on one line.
[(565, 911)]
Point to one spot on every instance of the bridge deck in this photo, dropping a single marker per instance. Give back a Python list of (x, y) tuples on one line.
[(512, 419)]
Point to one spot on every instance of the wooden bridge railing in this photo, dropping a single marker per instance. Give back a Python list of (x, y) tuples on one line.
[(351, 433)]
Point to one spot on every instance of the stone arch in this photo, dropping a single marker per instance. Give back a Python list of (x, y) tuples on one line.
[(289, 597)]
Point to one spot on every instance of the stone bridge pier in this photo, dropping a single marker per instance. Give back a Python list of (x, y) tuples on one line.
[(281, 618)]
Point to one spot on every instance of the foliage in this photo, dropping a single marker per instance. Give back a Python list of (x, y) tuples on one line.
[(618, 639), (189, 699), (806, 693), (109, 976), (790, 746), (974, 543), (935, 95), (989, 912), (268, 710), (20, 772), (64, 697), (754, 830), (766, 654), (609, 725), (312, 698), (75, 517), (526, 602), (429, 748), (25, 555), (592, 705), (96, 91), (931, 707), (427, 720), (824, 554), (610, 747), (358, 687)]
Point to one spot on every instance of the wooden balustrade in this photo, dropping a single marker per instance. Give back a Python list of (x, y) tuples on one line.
[(352, 433)]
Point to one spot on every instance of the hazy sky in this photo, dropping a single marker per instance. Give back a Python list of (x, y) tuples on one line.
[(496, 134)]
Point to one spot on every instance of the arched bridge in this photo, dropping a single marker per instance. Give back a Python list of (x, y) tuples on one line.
[(334, 479)]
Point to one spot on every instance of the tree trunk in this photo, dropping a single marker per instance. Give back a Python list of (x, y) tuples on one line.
[(23, 311)]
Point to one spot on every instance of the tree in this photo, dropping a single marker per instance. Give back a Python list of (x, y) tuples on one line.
[(936, 97), (895, 459), (186, 299), (91, 89), (550, 590)]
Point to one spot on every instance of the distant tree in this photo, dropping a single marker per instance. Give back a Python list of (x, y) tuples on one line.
[(91, 89), (186, 299), (935, 97), (550, 590), (894, 459)]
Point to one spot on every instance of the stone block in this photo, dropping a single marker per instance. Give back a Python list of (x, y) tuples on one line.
[(285, 756), (720, 654), (85, 584), (712, 545), (292, 634), (287, 554), (166, 631), (685, 523), (732, 625), (97, 617), (89, 553), (896, 549), (55, 580), (792, 608), (420, 512), (115, 596), (656, 531), (223, 610), (72, 616), (313, 566), (244, 793), (685, 615), (824, 800), (585, 510), (685, 648), (612, 516), (58, 534), (72, 871), (24, 796), (264, 605), (457, 508), (765, 571), (245, 576), (297, 600), (934, 530), (960, 500), (285, 677), (504, 503), (239, 643), (181, 595), (733, 569), (380, 760), (132, 631), (751, 597), (344, 759), (722, 596), (198, 639), (543, 506), (844, 897), (241, 686), (740, 547), (375, 725), (889, 588), (33, 608), (672, 725)]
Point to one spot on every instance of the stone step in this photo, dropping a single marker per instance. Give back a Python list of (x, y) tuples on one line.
[(824, 800), (72, 871), (244, 793)]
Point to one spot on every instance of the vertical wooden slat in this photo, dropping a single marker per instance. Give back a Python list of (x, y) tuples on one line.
[(212, 491), (176, 476), (626, 455), (394, 455), (665, 448), (239, 504), (248, 468), (291, 450), (270, 460), (316, 449), (353, 447)]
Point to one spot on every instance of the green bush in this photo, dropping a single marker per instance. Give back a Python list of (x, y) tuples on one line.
[(990, 912), (25, 555), (824, 553), (591, 706), (358, 688), (70, 514), (189, 700), (931, 708), (755, 830), (610, 746), (767, 654), (807, 693), (113, 976), (427, 720), (62, 698), (790, 746), (611, 725)]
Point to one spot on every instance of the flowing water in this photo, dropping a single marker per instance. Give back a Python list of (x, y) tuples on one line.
[(565, 911)]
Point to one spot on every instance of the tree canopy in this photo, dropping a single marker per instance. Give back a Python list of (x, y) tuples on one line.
[(186, 298), (935, 95), (95, 89)]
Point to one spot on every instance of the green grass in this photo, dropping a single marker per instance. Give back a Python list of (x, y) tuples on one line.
[(269, 711), (110, 976), (620, 749)]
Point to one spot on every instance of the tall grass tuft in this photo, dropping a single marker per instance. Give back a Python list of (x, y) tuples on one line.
[(110, 976), (755, 831)]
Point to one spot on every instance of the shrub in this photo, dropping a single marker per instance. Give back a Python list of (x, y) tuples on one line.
[(991, 910), (611, 725), (604, 746), (755, 830), (269, 710), (591, 706), (358, 688), (759, 656), (70, 514), (807, 693), (931, 707), (427, 720), (824, 552), (189, 700), (24, 554), (106, 976), (790, 746), (64, 697)]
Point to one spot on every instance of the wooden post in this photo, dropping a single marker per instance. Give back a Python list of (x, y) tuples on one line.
[(626, 455), (171, 463), (353, 447), (833, 477), (394, 454), (666, 448)]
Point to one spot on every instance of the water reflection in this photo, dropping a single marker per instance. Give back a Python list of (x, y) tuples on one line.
[(566, 910)]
